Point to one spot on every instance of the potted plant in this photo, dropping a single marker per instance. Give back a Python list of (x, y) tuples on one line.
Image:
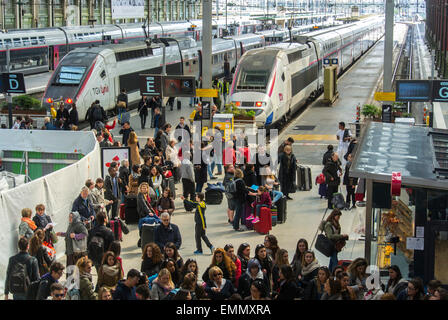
[(397, 109), (239, 114)]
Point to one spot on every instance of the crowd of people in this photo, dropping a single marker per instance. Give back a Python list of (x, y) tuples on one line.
[(235, 272)]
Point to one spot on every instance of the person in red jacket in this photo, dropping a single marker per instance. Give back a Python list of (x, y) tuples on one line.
[(228, 155), (230, 251), (263, 199)]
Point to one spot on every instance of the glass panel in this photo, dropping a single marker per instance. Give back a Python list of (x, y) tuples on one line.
[(42, 40), (437, 205), (34, 41), (70, 75), (441, 256), (26, 41), (17, 42)]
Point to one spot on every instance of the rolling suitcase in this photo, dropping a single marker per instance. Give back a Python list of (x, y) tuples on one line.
[(130, 209), (304, 182), (213, 196), (281, 210), (122, 212), (147, 234), (179, 104), (115, 226), (265, 223)]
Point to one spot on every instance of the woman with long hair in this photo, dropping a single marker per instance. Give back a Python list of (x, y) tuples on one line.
[(265, 261), (243, 254), (109, 272), (190, 283), (37, 250), (221, 259), (299, 257), (151, 259), (171, 265), (134, 179), (135, 147), (332, 230), (333, 290), (347, 292), (190, 266), (358, 276), (271, 244), (315, 288), (414, 291), (98, 192), (396, 283), (115, 247), (156, 180), (309, 269), (288, 289), (86, 289), (287, 171), (281, 259), (144, 201), (230, 251), (162, 285), (166, 202), (170, 251), (104, 294), (258, 291)]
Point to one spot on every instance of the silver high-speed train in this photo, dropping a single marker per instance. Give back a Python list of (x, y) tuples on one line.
[(277, 80), (40, 50)]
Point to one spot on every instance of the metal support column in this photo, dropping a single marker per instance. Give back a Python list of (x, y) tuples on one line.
[(207, 50), (9, 97), (368, 228), (388, 46)]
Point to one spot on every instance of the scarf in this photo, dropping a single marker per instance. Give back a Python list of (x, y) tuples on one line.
[(111, 271), (310, 268), (30, 223), (41, 220)]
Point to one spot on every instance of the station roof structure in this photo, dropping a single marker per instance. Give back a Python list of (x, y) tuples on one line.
[(420, 154)]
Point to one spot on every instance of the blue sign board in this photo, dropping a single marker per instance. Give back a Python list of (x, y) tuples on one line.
[(12, 83), (440, 90), (334, 61), (326, 61), (150, 85), (413, 90)]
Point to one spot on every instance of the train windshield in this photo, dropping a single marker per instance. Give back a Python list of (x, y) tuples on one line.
[(254, 72), (70, 75)]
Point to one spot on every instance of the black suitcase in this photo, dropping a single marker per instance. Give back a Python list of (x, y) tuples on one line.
[(304, 182), (213, 196), (281, 210), (147, 234), (179, 104), (130, 209)]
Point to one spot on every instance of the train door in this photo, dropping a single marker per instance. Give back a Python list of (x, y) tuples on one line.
[(53, 54)]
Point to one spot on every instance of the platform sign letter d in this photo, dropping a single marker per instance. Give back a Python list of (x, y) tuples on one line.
[(13, 83)]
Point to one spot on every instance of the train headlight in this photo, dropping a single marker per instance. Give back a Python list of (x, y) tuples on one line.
[(238, 103), (49, 100), (258, 104), (68, 101)]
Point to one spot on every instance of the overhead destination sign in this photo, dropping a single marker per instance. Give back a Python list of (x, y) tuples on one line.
[(440, 90), (413, 90), (167, 86)]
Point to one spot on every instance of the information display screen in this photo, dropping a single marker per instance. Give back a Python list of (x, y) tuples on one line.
[(178, 86), (413, 90)]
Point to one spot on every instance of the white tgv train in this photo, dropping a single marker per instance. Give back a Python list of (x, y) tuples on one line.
[(277, 80), (99, 73)]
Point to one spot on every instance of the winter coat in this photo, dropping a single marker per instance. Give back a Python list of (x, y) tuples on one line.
[(330, 170), (226, 291), (244, 262), (348, 181), (288, 290), (246, 280), (84, 208), (41, 222), (25, 230), (326, 296), (311, 292), (78, 228), (150, 268), (86, 289), (32, 268), (125, 133), (396, 289), (308, 273), (268, 265), (158, 292), (108, 276), (44, 261), (143, 207), (287, 175), (200, 172), (103, 232), (163, 235), (43, 292), (135, 153), (123, 292), (187, 170), (332, 233), (97, 196), (166, 204), (73, 117), (296, 265)]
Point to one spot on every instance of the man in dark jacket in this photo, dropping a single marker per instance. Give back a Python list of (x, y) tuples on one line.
[(287, 142), (125, 289), (123, 97), (62, 114), (332, 172), (56, 272), (97, 113), (167, 232), (16, 263), (183, 135), (125, 131), (73, 116), (113, 186), (350, 184), (123, 174), (84, 206)]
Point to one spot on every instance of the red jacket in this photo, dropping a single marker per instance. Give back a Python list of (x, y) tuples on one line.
[(265, 198), (237, 271)]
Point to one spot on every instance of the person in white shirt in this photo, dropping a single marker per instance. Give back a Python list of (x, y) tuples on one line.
[(17, 123), (343, 136)]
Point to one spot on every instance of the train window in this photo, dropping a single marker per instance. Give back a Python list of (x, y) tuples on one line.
[(26, 41), (17, 42), (34, 41), (70, 75), (8, 43), (86, 34), (42, 40), (1, 43), (103, 74), (283, 76)]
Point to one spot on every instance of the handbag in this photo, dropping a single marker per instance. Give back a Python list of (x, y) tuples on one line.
[(339, 245), (324, 245), (79, 246)]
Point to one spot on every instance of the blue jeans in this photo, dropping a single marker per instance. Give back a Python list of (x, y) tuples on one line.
[(239, 207), (333, 261), (155, 132), (199, 186), (210, 168), (277, 195)]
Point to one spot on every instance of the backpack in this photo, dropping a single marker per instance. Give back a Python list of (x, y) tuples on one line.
[(97, 114), (95, 249), (33, 290), (231, 188), (19, 280)]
